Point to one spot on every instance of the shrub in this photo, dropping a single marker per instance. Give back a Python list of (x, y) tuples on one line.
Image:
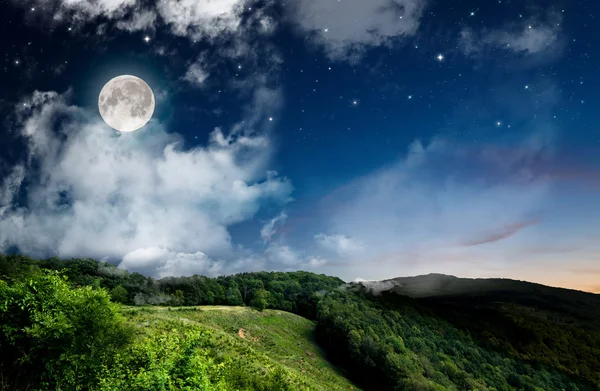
[(55, 336)]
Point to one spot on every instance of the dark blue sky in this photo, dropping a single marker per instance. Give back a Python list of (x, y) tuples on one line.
[(407, 137)]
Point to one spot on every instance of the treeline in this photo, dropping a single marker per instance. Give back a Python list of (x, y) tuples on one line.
[(392, 342), (296, 292)]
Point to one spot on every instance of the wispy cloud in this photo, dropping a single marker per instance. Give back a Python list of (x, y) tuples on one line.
[(346, 29), (342, 245), (537, 36), (270, 228), (499, 234), (419, 208), (196, 73)]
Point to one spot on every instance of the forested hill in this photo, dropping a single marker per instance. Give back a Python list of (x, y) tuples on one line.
[(506, 335), (562, 305)]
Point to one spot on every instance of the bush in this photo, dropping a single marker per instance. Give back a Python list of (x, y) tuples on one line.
[(56, 336), (165, 361)]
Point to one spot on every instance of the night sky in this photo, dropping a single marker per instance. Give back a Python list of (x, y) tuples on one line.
[(362, 139)]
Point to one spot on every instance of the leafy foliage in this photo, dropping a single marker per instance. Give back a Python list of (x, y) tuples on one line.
[(392, 342), (54, 336)]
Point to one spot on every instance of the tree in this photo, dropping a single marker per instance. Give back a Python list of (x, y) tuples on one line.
[(178, 297), (260, 300), (119, 294), (234, 296)]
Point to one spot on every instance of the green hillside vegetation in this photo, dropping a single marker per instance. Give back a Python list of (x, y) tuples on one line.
[(83, 325), (398, 343), (253, 343), (57, 337)]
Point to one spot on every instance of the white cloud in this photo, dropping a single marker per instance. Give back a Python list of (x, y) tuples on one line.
[(316, 262), (282, 255), (538, 35), (345, 29), (340, 244), (197, 19), (161, 262), (130, 14), (269, 229), (95, 8), (94, 193)]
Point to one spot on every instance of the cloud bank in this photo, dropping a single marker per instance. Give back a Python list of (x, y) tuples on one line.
[(84, 190)]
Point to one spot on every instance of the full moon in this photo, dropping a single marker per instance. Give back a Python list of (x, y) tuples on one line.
[(126, 103)]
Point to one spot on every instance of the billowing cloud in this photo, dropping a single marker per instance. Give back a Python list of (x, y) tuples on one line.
[(536, 36), (161, 262), (85, 190), (345, 29), (189, 18), (340, 244)]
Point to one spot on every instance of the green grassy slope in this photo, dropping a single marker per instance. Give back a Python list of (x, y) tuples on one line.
[(258, 342)]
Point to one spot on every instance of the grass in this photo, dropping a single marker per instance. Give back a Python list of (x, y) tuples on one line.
[(259, 342)]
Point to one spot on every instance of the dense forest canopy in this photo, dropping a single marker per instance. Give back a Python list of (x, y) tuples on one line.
[(485, 340)]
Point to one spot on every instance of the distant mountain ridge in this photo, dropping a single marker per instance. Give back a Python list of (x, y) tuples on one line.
[(435, 284), (576, 306)]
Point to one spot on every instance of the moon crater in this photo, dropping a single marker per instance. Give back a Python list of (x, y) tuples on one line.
[(126, 103)]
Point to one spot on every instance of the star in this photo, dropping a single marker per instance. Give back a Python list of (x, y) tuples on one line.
[(326, 30), (33, 8), (410, 97), (17, 62), (498, 123), (472, 14), (440, 57), (270, 118), (147, 39), (526, 87)]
